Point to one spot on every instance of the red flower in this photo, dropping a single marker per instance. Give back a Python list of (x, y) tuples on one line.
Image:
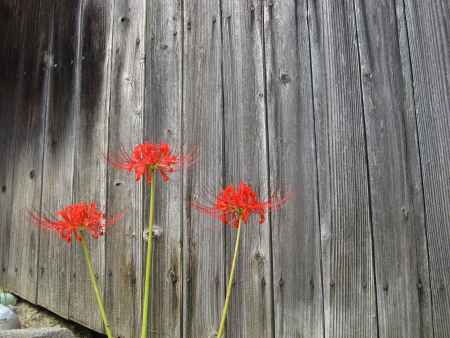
[(148, 157), (233, 205), (75, 218)]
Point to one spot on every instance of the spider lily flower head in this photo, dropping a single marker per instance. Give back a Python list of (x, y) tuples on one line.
[(75, 218), (236, 204), (148, 158)]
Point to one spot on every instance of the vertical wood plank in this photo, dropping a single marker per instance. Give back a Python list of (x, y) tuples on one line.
[(250, 313), (349, 295), (91, 135), (429, 42), (57, 190), (9, 52), (204, 241), (394, 165), (124, 241), (298, 300), (163, 123), (30, 111)]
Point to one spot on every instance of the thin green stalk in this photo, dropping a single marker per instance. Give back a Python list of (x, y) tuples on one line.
[(148, 265), (230, 284), (98, 296)]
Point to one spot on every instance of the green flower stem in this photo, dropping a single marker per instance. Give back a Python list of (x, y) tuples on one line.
[(148, 265), (230, 284), (98, 295)]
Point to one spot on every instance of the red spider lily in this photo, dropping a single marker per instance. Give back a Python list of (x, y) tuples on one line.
[(235, 204), (75, 218), (147, 158)]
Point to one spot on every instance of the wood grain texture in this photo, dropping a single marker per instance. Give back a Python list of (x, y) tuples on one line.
[(425, 299), (401, 261), (163, 123), (9, 53), (250, 313), (297, 281), (57, 190), (345, 103), (124, 250), (91, 135), (204, 240), (429, 42), (348, 276), (30, 113)]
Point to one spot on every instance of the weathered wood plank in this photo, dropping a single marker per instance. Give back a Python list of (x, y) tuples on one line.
[(30, 111), (57, 190), (124, 251), (245, 159), (91, 135), (298, 298), (401, 261), (204, 240), (163, 123), (9, 51), (348, 277), (429, 42), (425, 298)]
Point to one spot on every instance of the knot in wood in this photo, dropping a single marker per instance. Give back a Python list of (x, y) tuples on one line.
[(173, 276), (259, 258), (284, 78), (419, 285), (405, 212)]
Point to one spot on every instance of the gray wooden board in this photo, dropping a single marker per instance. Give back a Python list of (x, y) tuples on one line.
[(297, 282), (425, 301), (163, 123), (72, 89), (250, 313), (30, 112), (348, 276), (204, 242), (54, 253), (124, 241), (395, 177), (91, 135), (8, 71), (429, 42)]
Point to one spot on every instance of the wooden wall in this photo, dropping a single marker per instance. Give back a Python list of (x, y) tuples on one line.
[(344, 102)]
